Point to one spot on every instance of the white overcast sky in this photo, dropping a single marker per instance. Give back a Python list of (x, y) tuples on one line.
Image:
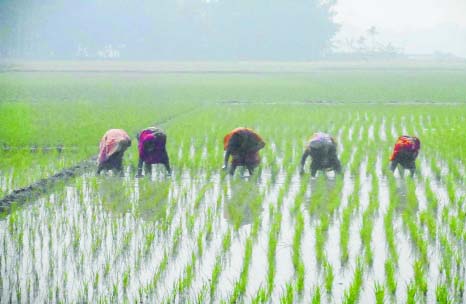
[(415, 26)]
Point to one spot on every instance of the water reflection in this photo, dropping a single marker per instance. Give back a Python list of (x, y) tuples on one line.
[(244, 203), (143, 198)]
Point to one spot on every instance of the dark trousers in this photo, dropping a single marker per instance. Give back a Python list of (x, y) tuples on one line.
[(114, 162), (406, 159), (323, 160)]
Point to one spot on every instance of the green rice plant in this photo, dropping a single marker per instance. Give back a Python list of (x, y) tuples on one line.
[(411, 293), (329, 277), (190, 221), (379, 291), (390, 277), (288, 296), (177, 234), (345, 232), (300, 273), (200, 244), (451, 190), (240, 285), (127, 237), (272, 246), (416, 236), (432, 200), (455, 226), (95, 283), (320, 235), (125, 279), (215, 276), (459, 286), (149, 240), (441, 294), (185, 281), (260, 297), (107, 268), (316, 296), (366, 234), (158, 273), (351, 295), (299, 227), (427, 219), (420, 277), (209, 224)]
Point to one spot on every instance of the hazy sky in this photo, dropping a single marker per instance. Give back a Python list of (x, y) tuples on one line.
[(416, 26)]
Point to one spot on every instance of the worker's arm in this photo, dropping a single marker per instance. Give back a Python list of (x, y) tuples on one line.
[(260, 144), (303, 160), (225, 161)]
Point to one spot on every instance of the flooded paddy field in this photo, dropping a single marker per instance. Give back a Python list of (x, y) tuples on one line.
[(200, 236)]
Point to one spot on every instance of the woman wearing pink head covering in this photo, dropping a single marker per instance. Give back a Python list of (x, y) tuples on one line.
[(151, 148), (112, 147)]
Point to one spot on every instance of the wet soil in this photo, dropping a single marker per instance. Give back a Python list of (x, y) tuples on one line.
[(33, 191)]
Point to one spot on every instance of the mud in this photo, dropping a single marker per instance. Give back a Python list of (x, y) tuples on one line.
[(33, 191)]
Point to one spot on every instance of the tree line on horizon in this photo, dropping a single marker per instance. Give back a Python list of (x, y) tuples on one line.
[(167, 29)]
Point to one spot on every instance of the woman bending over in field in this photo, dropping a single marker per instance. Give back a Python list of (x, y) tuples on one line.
[(323, 151), (405, 153), (112, 147), (243, 145), (151, 148)]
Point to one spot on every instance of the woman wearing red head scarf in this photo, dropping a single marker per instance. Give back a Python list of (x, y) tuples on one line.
[(151, 148), (243, 145), (405, 153)]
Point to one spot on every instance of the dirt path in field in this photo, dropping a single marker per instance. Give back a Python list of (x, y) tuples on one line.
[(40, 187), (34, 190)]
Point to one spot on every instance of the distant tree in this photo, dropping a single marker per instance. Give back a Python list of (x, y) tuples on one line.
[(167, 29)]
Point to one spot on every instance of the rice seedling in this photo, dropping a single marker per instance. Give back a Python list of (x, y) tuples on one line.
[(329, 277), (316, 296), (351, 294), (441, 294), (390, 277), (411, 293), (379, 291)]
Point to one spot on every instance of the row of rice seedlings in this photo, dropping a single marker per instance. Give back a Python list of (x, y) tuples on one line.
[(274, 231), (297, 259), (408, 217), (368, 222), (389, 218), (218, 266), (379, 291), (390, 275), (416, 236), (275, 218), (240, 285), (431, 197), (441, 294), (351, 207), (183, 282), (420, 278), (357, 160)]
